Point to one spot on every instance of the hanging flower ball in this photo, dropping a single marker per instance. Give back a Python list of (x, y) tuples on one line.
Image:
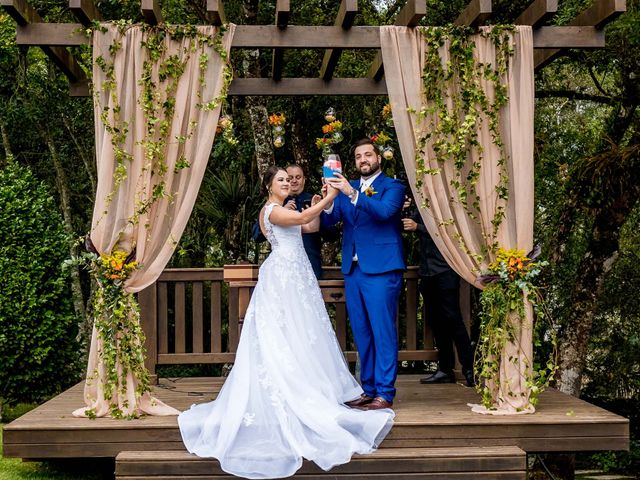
[(330, 115), (277, 130), (389, 122), (387, 153), (278, 141), (337, 137)]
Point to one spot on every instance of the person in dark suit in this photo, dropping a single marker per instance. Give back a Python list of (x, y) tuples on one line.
[(440, 289), (298, 200), (373, 265)]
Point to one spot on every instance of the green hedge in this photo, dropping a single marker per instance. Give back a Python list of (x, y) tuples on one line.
[(38, 351)]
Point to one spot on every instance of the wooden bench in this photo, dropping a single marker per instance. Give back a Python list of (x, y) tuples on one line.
[(477, 463)]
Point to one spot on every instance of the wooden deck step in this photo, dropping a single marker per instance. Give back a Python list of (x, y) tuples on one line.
[(505, 462)]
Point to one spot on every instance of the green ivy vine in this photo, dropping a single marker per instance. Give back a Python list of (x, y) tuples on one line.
[(117, 313), (453, 134)]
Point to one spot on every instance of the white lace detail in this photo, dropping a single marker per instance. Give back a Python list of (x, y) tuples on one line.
[(283, 398)]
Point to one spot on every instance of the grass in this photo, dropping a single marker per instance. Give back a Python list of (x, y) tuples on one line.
[(16, 469)]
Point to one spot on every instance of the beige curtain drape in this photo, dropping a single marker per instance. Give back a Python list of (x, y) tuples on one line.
[(158, 231), (456, 234)]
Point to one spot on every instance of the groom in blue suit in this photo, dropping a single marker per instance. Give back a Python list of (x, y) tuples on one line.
[(373, 265)]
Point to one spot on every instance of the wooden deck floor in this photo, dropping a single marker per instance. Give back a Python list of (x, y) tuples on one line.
[(427, 416)]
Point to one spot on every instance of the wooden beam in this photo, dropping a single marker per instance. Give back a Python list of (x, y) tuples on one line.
[(598, 15), (20, 11), (57, 34), (85, 11), (568, 37), (282, 18), (269, 36), (80, 88), (409, 16), (345, 18), (307, 86), (284, 87), (215, 12), (151, 11), (24, 15), (476, 12), (537, 13), (411, 13)]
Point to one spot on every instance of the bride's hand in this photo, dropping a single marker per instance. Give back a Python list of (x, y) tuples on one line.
[(332, 192), (316, 199)]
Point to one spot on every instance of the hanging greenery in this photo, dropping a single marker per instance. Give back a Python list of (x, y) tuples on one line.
[(453, 131), (455, 106), (117, 313), (508, 283)]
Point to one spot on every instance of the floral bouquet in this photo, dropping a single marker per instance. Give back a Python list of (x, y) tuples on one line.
[(509, 286), (277, 122), (225, 127), (332, 133)]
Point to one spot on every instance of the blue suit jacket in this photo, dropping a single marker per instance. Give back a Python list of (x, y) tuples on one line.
[(372, 227)]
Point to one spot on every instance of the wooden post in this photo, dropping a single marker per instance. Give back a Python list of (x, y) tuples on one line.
[(476, 12), (147, 299), (282, 18)]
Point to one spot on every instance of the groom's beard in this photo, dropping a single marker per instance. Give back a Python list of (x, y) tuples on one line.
[(372, 169)]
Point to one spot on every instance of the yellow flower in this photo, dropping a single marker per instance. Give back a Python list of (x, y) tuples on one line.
[(386, 110), (369, 191)]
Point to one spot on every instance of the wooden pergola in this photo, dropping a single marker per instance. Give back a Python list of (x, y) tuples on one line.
[(585, 31)]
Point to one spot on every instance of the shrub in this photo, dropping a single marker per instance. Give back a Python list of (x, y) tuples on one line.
[(38, 351)]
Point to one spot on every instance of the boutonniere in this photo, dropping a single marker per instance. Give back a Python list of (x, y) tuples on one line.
[(369, 191)]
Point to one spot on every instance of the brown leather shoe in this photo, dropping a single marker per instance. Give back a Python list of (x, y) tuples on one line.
[(360, 402), (378, 403)]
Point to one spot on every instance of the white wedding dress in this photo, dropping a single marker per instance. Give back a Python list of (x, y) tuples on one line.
[(283, 400)]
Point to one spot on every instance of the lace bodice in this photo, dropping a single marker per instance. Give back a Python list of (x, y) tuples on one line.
[(281, 237)]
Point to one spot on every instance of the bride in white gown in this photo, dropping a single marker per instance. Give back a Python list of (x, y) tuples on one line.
[(283, 400)]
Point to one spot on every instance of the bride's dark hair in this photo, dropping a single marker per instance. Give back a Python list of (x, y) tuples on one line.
[(268, 178)]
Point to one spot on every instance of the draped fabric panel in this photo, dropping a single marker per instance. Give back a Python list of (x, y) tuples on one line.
[(157, 231), (457, 235)]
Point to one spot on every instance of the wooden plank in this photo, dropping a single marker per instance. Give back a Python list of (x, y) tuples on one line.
[(598, 15), (163, 318), (295, 36), (568, 37), (411, 313), (21, 11), (383, 461), (191, 274), (216, 317), (306, 86), (85, 11), (215, 12), (151, 11), (263, 36), (476, 12), (409, 16), (193, 358), (344, 19), (179, 317), (537, 13), (51, 34), (147, 299), (277, 58), (197, 307), (234, 318), (80, 88), (341, 325)]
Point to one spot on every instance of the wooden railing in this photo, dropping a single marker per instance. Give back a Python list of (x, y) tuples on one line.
[(194, 316)]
